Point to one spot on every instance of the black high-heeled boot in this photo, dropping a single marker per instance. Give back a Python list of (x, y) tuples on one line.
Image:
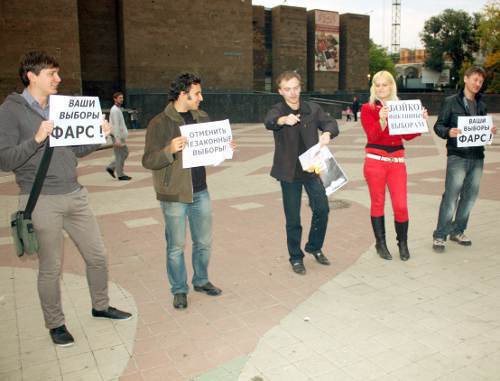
[(378, 225), (402, 237)]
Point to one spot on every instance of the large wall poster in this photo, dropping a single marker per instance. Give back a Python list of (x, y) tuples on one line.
[(326, 48)]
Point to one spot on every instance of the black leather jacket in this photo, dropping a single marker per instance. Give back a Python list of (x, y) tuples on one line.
[(453, 107), (286, 138)]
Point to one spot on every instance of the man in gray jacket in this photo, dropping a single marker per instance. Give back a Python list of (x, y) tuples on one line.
[(120, 135), (63, 203)]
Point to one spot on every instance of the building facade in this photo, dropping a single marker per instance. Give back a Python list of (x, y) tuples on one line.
[(139, 47)]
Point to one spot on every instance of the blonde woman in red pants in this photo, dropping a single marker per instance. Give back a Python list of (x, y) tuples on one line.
[(385, 165)]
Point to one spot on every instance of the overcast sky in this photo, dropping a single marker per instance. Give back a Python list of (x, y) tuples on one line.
[(413, 14)]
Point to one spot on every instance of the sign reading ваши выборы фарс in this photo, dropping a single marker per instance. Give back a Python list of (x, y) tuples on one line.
[(474, 131), (77, 121)]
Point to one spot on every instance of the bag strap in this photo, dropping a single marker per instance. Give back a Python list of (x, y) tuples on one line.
[(39, 179)]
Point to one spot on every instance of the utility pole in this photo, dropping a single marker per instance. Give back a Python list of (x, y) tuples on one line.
[(396, 26)]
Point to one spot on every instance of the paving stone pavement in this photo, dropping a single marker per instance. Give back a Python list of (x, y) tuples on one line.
[(435, 317)]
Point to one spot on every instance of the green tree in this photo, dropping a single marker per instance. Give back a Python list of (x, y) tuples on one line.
[(489, 27), (450, 34), (492, 66), (489, 41), (380, 59)]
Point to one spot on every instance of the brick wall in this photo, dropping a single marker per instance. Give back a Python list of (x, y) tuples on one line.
[(99, 47), (259, 48), (30, 25), (289, 33), (163, 38), (354, 61)]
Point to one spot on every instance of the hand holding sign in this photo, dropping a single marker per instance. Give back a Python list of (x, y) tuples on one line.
[(382, 114), (44, 131), (177, 144), (453, 132)]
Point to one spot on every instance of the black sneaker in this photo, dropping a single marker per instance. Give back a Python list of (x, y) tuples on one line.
[(111, 172), (111, 313), (180, 301), (124, 178), (60, 336)]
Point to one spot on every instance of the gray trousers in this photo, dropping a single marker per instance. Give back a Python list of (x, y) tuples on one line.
[(121, 154), (70, 212)]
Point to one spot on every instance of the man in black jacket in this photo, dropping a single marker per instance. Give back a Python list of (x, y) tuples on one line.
[(295, 126), (464, 164)]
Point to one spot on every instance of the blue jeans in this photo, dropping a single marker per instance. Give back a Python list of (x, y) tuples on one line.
[(463, 177), (199, 214), (292, 196)]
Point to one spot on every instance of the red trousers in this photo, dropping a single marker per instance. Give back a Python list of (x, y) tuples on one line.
[(378, 175)]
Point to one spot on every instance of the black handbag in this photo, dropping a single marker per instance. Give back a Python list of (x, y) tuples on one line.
[(21, 225)]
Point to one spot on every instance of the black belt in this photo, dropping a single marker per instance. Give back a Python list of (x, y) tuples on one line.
[(385, 148)]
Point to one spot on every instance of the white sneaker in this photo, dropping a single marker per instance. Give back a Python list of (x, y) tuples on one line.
[(461, 239)]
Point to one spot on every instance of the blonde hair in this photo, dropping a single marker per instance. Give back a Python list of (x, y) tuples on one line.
[(384, 75)]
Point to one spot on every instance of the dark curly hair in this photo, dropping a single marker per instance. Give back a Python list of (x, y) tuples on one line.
[(181, 83), (35, 62)]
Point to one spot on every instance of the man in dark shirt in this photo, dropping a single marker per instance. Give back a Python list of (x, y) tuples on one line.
[(355, 108), (295, 125), (464, 164), (182, 192)]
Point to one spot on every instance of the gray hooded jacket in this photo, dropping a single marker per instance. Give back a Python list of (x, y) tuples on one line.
[(20, 153)]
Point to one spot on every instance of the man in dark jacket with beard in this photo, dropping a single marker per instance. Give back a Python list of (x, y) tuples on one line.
[(182, 192), (63, 203), (295, 125), (464, 164)]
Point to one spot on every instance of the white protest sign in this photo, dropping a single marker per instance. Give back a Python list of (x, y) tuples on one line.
[(321, 161), (406, 117), (77, 121), (475, 131), (207, 143)]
